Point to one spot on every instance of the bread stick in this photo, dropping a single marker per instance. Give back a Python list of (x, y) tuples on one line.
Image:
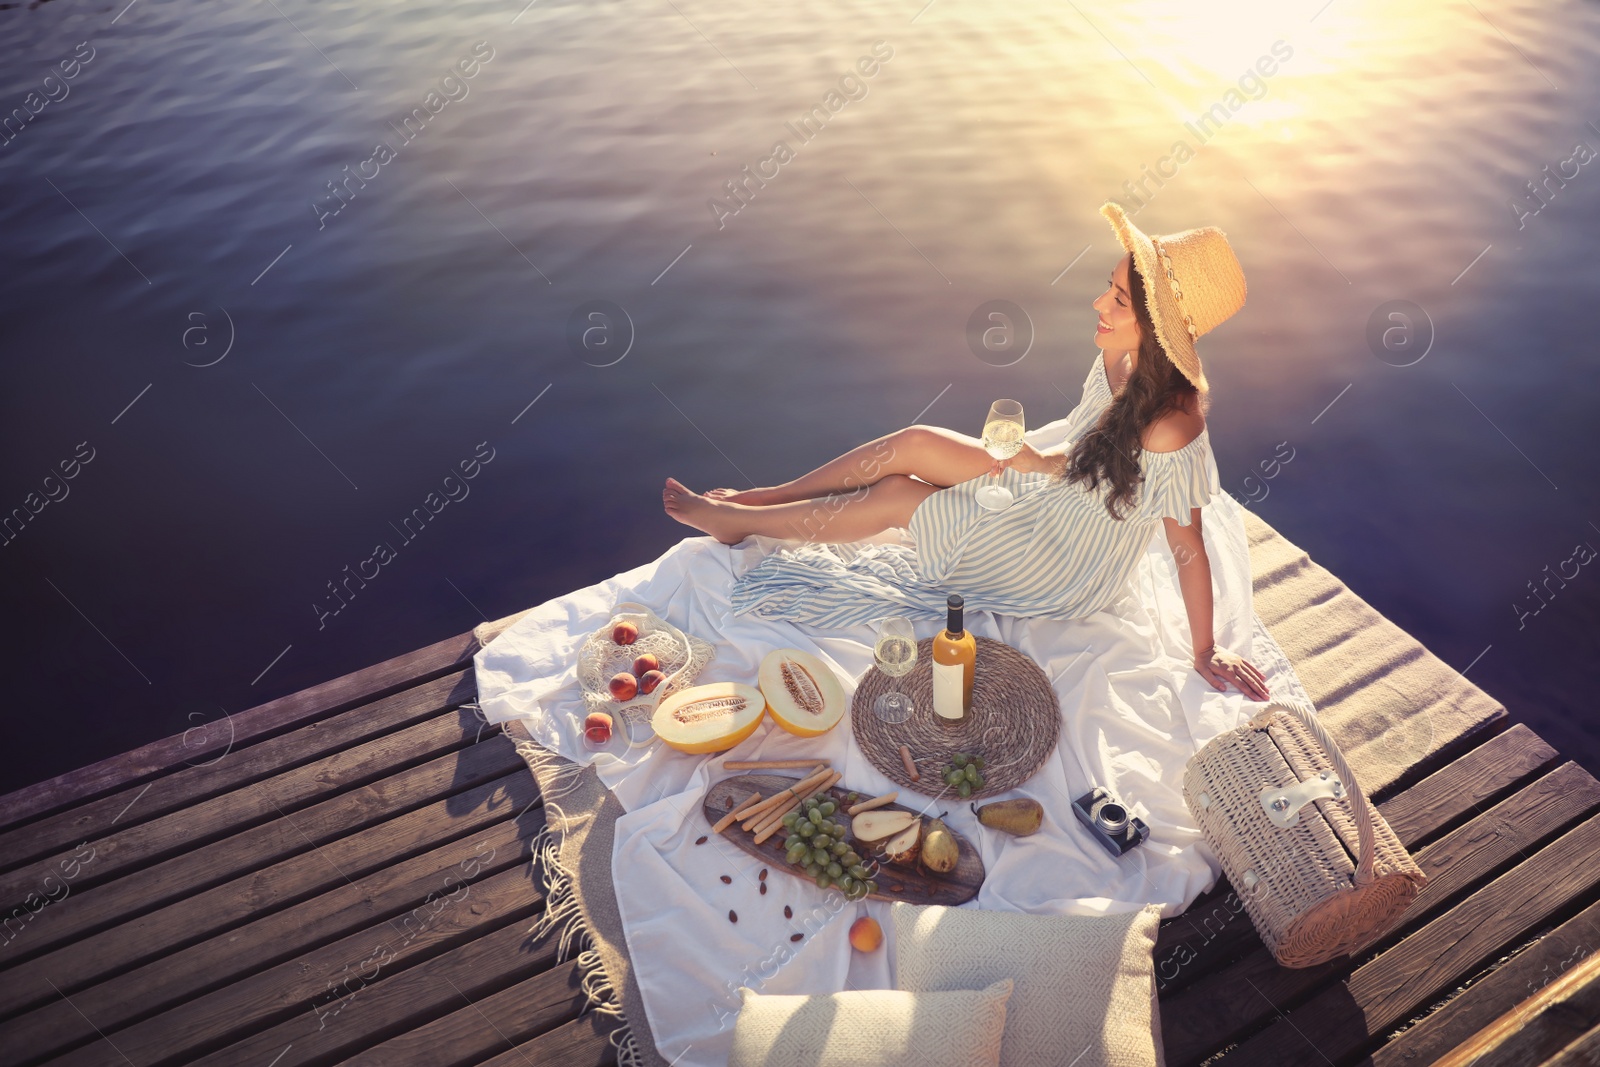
[(794, 791), (736, 814), (911, 764), (775, 814), (775, 821), (769, 764), (765, 828), (875, 802)]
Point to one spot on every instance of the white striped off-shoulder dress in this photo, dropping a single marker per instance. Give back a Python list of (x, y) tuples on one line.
[(1055, 553)]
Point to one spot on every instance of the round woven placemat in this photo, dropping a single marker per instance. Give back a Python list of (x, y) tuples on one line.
[(1014, 723)]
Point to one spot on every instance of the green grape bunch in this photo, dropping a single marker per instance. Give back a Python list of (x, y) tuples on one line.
[(820, 846), (964, 774)]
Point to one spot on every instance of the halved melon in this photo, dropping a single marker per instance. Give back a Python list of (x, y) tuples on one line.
[(802, 694), (709, 718)]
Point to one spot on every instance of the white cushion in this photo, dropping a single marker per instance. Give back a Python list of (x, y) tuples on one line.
[(871, 1028), (1085, 985)]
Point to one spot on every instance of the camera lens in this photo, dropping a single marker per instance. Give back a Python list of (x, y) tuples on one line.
[(1112, 818)]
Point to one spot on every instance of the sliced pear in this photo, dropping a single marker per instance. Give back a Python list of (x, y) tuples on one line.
[(872, 826), (903, 847)]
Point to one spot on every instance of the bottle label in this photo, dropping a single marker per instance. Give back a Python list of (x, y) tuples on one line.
[(949, 690)]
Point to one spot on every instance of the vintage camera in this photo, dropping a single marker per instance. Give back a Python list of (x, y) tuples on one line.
[(1110, 821)]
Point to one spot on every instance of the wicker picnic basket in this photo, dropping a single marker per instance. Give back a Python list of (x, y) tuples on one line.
[(1318, 869)]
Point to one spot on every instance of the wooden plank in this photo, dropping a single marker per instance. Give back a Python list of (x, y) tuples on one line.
[(1496, 993), (1339, 1021), (1483, 776), (331, 1031), (480, 1028), (1216, 930), (264, 720), (184, 876), (1541, 1028), (269, 938), (584, 1042), (1504, 834), (1584, 1052), (1202, 1018), (264, 801), (192, 917), (332, 999), (244, 764)]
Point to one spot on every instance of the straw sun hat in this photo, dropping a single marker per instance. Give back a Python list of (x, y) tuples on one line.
[(1193, 284)]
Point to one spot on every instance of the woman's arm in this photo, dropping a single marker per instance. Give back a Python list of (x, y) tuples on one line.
[(1216, 665)]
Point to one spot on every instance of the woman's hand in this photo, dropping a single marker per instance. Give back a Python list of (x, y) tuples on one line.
[(1029, 461), (1219, 667)]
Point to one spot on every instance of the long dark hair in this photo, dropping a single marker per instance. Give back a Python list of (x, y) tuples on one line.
[(1110, 451)]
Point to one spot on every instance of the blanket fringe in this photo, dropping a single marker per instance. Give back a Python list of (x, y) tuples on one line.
[(562, 914), (556, 777)]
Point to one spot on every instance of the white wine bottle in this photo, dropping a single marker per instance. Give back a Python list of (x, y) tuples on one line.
[(955, 654)]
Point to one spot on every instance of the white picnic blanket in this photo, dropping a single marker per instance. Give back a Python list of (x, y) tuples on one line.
[(1133, 712)]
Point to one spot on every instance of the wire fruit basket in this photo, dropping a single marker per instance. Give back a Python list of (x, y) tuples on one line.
[(681, 656)]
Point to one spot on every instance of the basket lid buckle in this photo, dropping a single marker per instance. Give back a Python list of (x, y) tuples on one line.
[(1283, 803)]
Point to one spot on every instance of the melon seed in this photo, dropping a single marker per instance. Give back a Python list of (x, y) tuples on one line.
[(803, 688), (726, 880), (701, 839), (733, 916)]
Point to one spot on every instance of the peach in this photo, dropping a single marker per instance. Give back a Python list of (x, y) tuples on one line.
[(624, 687), (597, 727), (624, 633), (865, 934), (649, 680), (645, 664)]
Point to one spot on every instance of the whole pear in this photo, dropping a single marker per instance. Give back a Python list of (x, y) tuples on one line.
[(940, 851), (1019, 817)]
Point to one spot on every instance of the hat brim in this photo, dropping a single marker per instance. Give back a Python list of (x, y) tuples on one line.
[(1160, 300)]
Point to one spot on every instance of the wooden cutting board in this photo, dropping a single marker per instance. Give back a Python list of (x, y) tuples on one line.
[(912, 884)]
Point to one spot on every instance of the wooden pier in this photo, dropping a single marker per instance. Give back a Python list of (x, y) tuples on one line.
[(343, 876)]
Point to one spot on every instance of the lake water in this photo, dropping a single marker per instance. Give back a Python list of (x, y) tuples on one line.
[(254, 380)]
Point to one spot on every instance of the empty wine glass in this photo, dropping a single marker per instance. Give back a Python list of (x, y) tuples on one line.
[(1002, 439), (896, 654)]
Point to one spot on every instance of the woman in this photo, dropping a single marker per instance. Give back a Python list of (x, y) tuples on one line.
[(1138, 452)]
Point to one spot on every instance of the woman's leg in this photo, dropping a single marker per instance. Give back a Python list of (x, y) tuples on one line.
[(887, 503), (938, 456)]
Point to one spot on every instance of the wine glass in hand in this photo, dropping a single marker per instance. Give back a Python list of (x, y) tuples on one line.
[(1002, 439), (896, 654)]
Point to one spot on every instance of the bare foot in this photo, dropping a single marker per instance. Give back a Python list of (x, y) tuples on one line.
[(751, 497), (718, 518)]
